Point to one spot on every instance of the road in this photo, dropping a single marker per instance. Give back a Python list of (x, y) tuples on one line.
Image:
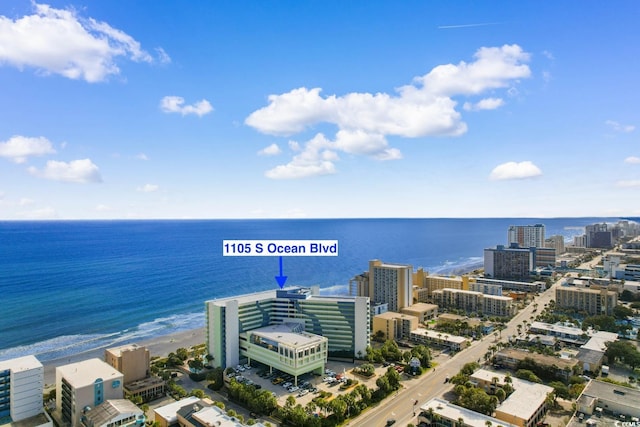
[(432, 384)]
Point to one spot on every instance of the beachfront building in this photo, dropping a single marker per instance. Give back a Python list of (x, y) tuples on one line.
[(511, 263), (592, 301), (21, 389), (82, 386), (441, 413), (395, 326), (525, 407), (343, 321), (526, 236), (390, 284), (114, 413), (132, 360)]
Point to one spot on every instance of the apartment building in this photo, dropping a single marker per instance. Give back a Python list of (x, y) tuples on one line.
[(391, 284), (84, 385), (424, 312), (526, 236), (475, 302), (21, 389), (525, 407), (592, 301), (511, 263), (396, 326)]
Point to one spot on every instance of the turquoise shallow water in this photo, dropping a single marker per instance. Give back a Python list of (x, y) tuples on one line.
[(71, 286)]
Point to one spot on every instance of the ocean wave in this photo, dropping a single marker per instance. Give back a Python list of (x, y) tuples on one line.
[(67, 345), (335, 290), (463, 265)]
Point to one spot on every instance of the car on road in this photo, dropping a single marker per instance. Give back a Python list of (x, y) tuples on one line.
[(391, 422), (446, 380)]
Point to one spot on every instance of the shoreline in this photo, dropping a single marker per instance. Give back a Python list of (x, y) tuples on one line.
[(159, 346)]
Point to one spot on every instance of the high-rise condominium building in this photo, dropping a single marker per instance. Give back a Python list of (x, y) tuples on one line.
[(343, 321), (507, 263), (527, 236), (21, 387), (390, 284)]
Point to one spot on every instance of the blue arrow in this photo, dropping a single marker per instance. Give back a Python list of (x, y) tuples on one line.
[(281, 279)]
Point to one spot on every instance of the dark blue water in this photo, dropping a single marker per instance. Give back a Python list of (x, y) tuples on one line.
[(71, 286)]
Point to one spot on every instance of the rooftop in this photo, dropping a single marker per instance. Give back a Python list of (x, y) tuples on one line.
[(84, 373), (168, 412), (613, 393), (285, 333), (526, 397), (541, 359), (21, 364), (439, 335), (110, 409), (454, 412), (117, 351)]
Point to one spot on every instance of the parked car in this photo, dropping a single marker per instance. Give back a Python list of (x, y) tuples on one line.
[(302, 393)]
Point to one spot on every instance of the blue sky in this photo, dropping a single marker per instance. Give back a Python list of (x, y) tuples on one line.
[(253, 109)]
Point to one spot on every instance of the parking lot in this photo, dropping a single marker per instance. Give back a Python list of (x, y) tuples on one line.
[(309, 385)]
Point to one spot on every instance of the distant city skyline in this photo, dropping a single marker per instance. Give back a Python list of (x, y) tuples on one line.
[(318, 110)]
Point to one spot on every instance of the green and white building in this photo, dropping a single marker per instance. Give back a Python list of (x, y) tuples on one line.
[(235, 325)]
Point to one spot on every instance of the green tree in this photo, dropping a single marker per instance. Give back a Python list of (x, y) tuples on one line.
[(182, 353)]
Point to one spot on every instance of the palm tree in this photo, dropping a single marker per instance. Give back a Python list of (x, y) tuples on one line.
[(488, 423)]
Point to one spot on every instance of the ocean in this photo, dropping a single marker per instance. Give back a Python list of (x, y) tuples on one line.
[(72, 286)]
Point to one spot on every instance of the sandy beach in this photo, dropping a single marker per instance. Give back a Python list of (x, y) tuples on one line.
[(159, 346)]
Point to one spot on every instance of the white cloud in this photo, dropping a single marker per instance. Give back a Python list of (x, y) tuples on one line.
[(25, 201), (103, 208), (294, 145), (19, 148), (163, 56), (80, 171), (617, 127), (316, 159), (629, 184), (148, 188), (632, 160), (513, 170), (271, 150), (174, 104), (365, 120), (548, 55), (484, 104), (142, 156), (59, 41)]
